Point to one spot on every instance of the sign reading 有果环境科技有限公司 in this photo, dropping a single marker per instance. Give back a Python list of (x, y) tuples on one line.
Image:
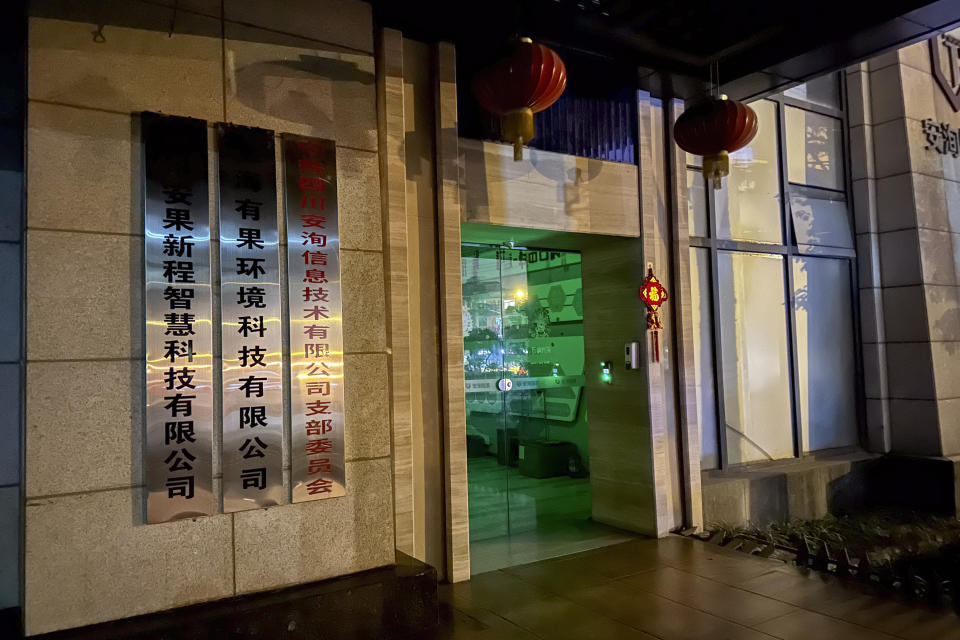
[(317, 460), (177, 303), (251, 319)]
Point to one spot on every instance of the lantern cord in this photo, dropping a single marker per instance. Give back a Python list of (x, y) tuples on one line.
[(715, 78)]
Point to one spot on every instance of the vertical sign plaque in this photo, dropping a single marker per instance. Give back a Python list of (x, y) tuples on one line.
[(251, 320), (316, 331), (179, 354)]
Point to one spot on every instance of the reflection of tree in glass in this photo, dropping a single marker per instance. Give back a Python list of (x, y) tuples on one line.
[(820, 220), (818, 159), (801, 295), (802, 213)]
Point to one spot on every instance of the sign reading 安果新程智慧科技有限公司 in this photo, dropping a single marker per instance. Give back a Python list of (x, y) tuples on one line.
[(179, 332)]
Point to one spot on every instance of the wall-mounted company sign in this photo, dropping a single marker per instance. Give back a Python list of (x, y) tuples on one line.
[(250, 321), (182, 338), (316, 332), (179, 336)]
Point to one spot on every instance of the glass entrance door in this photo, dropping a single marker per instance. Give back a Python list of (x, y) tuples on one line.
[(527, 449)]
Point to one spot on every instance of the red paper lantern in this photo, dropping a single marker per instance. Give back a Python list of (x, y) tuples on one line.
[(714, 129), (515, 88)]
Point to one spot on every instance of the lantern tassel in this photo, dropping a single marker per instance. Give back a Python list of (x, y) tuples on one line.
[(517, 127), (716, 167)]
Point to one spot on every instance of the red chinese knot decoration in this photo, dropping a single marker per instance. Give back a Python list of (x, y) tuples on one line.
[(515, 88), (653, 295), (715, 129)]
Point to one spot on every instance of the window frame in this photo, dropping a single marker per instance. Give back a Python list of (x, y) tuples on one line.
[(789, 249)]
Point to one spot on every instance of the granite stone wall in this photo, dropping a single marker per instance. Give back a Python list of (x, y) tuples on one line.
[(304, 67)]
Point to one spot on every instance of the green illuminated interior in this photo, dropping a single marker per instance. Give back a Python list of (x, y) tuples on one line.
[(528, 458)]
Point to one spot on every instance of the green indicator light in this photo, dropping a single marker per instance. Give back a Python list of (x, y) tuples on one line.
[(605, 376)]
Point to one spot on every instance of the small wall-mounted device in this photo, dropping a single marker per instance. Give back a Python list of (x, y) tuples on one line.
[(631, 355), (606, 375)]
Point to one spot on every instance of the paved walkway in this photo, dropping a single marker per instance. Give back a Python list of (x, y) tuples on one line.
[(676, 589)]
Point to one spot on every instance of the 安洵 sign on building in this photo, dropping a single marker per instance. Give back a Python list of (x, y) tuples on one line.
[(240, 361)]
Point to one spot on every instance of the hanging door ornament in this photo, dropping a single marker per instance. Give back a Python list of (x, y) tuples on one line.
[(653, 295)]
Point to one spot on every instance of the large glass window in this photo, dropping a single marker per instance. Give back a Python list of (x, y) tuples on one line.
[(820, 218), (702, 316), (748, 207), (696, 203), (756, 379), (823, 321), (814, 144), (823, 91), (771, 264)]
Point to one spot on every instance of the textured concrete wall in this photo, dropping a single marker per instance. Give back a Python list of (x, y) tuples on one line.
[(306, 67), (907, 204)]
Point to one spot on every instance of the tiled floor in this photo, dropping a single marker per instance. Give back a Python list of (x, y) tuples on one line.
[(549, 540), (676, 589)]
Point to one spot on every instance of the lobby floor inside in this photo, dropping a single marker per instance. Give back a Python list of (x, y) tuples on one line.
[(676, 589), (549, 517)]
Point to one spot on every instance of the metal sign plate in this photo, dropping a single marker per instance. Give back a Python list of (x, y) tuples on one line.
[(179, 353), (317, 468), (251, 328)]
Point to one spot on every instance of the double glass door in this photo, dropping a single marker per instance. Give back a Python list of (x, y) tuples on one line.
[(524, 375)]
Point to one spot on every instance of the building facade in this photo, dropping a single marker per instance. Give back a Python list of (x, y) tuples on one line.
[(503, 399)]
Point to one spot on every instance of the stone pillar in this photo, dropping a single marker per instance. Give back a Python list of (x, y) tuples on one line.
[(907, 203)]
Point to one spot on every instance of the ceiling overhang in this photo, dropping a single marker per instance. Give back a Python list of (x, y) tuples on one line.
[(759, 46)]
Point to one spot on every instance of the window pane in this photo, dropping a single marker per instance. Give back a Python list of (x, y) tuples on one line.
[(753, 330), (813, 149), (694, 161), (696, 204), (820, 218), (700, 291), (748, 206), (824, 91), (825, 352)]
